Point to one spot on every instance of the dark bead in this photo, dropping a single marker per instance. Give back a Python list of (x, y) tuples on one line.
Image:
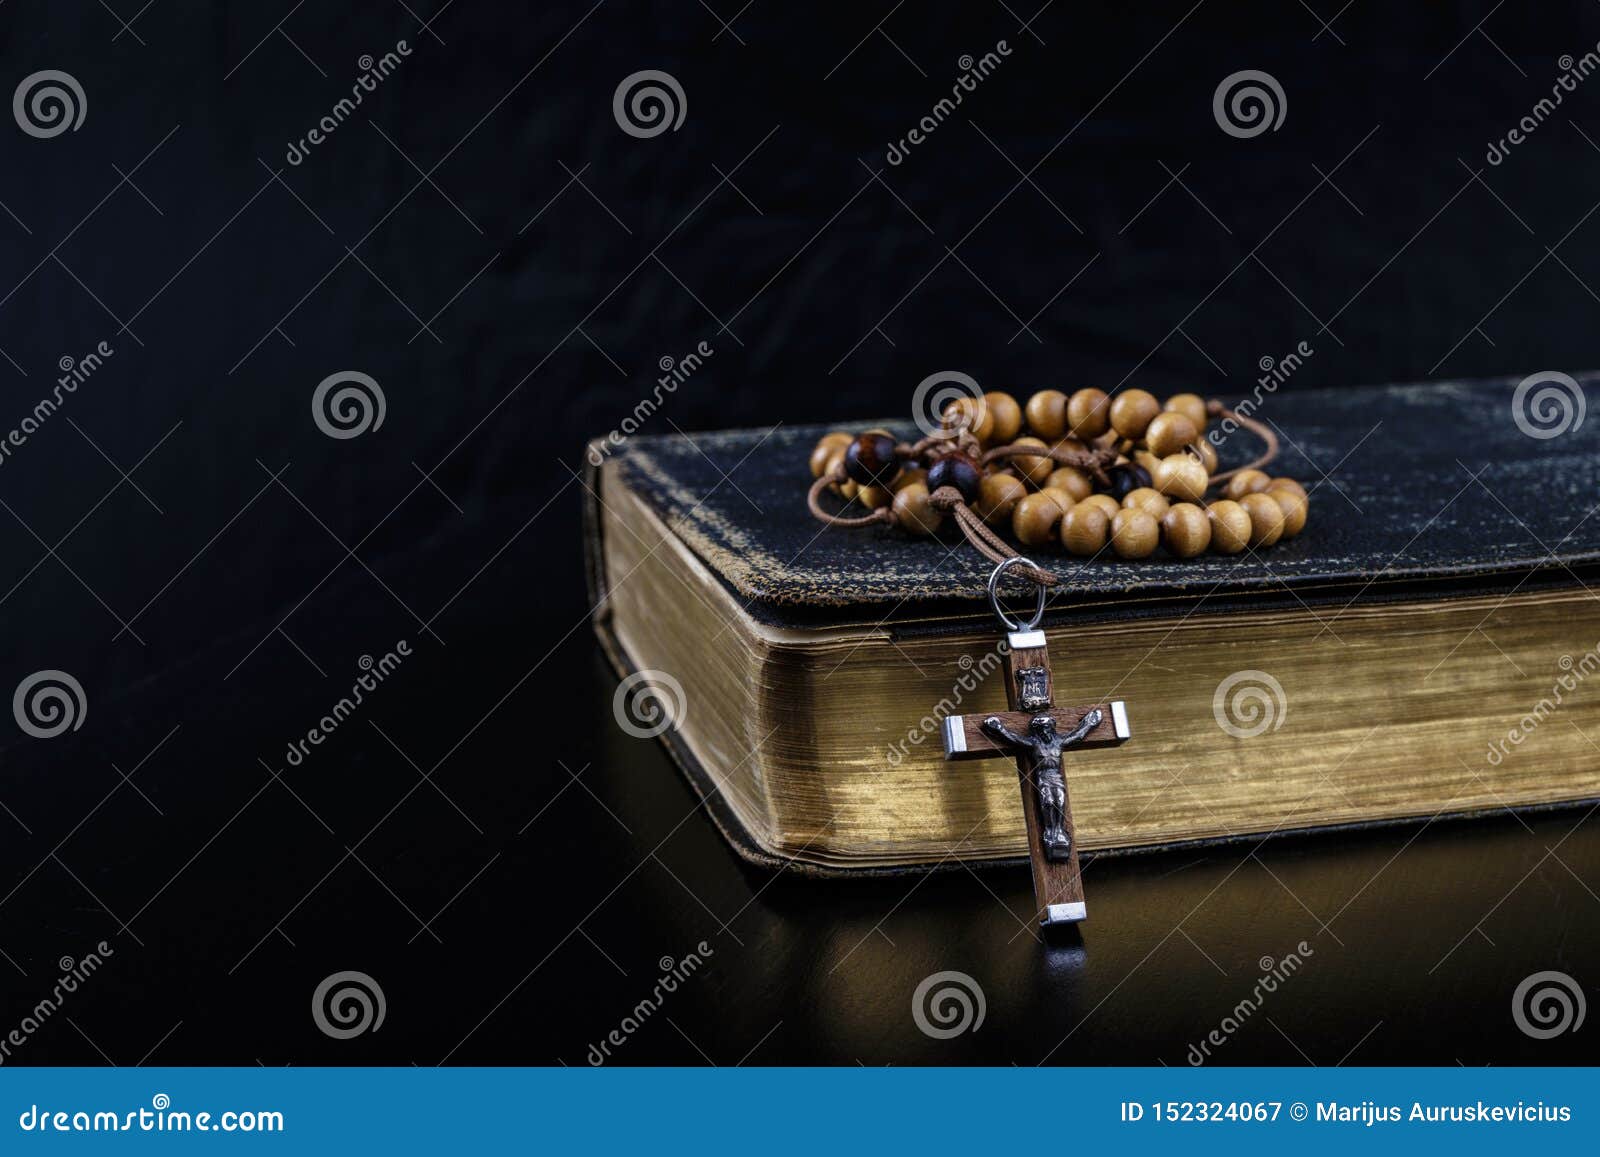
[(958, 470), (870, 460), (1126, 478)]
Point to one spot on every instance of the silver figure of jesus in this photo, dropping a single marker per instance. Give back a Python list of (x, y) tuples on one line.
[(1044, 743)]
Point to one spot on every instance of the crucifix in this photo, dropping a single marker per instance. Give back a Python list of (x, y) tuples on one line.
[(1035, 732)]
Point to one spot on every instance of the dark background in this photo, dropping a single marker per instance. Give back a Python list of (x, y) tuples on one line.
[(484, 240)]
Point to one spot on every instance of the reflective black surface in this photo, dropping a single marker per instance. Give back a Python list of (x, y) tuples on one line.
[(553, 922)]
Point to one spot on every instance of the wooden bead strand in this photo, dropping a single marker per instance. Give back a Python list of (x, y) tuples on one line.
[(1096, 472)]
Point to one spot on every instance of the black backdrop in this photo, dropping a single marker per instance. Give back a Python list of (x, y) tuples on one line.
[(482, 239)]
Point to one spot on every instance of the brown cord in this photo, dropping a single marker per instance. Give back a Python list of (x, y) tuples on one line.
[(948, 500), (1259, 429), (882, 514), (960, 439)]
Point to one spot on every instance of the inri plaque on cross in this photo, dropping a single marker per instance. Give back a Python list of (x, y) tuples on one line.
[(1035, 732)]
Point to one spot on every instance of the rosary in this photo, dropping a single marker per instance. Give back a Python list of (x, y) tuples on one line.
[(1091, 472)]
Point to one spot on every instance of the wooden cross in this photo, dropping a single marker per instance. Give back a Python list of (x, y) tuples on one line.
[(1034, 732)]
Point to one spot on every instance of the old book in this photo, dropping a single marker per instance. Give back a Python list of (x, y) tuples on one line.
[(1426, 648)]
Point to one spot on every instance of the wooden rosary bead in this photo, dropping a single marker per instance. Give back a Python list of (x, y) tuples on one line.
[(998, 495), (1035, 470), (1191, 406), (958, 470), (1294, 508), (819, 458), (1085, 529), (1088, 413), (1186, 530), (1064, 501), (1035, 517), (1134, 533), (1074, 481), (1007, 416), (1289, 484), (1247, 482), (1202, 449), (1266, 518), (914, 512), (1131, 412), (1168, 433), (969, 414), (1147, 498), (1181, 476), (908, 476), (825, 449), (1047, 414), (1230, 526), (870, 459), (1106, 503)]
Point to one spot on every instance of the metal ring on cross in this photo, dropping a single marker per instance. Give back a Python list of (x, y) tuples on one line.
[(1006, 620)]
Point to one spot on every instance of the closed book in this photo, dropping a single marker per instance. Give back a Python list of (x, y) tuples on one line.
[(1427, 647)]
